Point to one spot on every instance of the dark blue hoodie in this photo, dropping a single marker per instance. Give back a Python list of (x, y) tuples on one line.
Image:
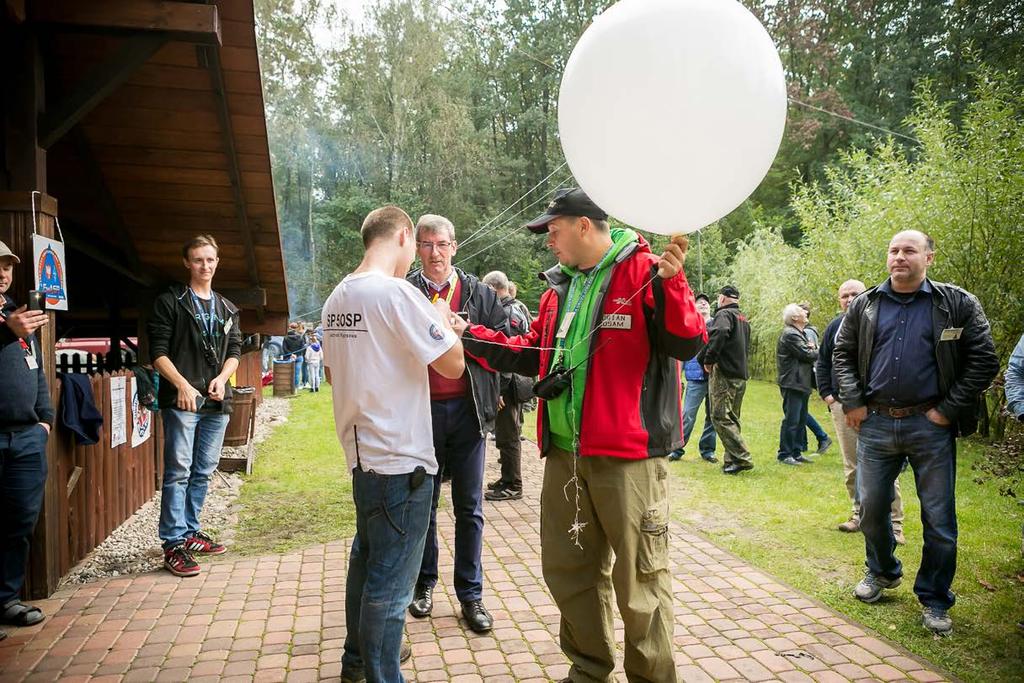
[(24, 396)]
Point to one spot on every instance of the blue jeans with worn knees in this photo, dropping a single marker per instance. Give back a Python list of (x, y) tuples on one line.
[(459, 448), (391, 525), (794, 422), (882, 446), (697, 395), (23, 471), (192, 444)]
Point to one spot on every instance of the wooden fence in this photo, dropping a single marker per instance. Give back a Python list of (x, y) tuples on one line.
[(101, 486)]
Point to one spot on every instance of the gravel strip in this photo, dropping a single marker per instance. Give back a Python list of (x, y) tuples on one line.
[(134, 547)]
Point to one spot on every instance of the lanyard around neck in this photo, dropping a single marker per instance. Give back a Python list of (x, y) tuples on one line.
[(207, 323), (578, 304), (452, 281)]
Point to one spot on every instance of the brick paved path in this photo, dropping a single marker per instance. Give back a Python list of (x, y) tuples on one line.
[(282, 618)]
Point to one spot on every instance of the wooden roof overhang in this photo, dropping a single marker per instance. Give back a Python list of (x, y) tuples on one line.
[(154, 131)]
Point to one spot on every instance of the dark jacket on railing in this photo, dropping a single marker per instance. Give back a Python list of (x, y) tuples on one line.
[(174, 332), (795, 359), (964, 352), (24, 396)]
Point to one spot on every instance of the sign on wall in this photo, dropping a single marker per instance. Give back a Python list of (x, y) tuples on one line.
[(118, 433), (50, 274), (142, 419)]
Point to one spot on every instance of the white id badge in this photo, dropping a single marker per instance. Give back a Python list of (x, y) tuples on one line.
[(30, 361), (951, 334), (228, 325), (563, 329)]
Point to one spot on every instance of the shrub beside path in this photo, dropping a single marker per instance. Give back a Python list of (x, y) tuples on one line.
[(281, 618)]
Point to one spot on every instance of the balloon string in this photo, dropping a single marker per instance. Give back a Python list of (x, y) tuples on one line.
[(525, 195), (511, 233)]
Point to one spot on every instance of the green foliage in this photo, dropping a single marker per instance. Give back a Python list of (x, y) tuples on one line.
[(452, 108), (964, 186), (300, 491), (782, 519)]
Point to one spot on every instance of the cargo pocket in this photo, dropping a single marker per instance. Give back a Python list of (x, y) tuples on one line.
[(653, 552)]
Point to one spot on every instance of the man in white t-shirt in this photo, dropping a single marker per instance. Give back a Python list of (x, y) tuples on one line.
[(380, 334)]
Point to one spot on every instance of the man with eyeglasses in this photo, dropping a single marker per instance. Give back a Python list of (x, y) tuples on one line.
[(462, 412)]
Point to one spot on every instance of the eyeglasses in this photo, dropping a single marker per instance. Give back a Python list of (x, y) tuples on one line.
[(440, 246)]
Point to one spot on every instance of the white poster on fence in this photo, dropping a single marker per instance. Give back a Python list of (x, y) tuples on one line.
[(51, 277), (142, 419), (118, 431)]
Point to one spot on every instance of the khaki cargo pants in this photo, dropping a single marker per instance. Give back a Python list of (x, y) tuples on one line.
[(624, 507), (726, 401), (848, 446)]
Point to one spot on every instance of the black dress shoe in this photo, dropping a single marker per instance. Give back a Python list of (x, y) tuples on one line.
[(422, 602), (736, 468), (477, 616), (802, 459)]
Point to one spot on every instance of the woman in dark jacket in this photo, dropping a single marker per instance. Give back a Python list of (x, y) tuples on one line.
[(795, 357)]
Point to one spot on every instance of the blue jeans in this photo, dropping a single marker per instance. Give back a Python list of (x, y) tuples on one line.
[(815, 428), (459, 448), (696, 395), (391, 524), (882, 446), (794, 422), (192, 443), (22, 479), (299, 367)]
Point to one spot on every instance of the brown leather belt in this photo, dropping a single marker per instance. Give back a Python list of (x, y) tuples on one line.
[(906, 411)]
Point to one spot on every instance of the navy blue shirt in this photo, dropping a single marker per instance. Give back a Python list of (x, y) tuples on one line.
[(903, 371)]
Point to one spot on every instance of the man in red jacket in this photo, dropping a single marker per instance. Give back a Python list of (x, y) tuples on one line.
[(611, 324)]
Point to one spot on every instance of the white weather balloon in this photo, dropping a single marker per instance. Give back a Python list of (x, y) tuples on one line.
[(671, 111)]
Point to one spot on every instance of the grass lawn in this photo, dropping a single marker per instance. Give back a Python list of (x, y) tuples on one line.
[(780, 519), (783, 520), (299, 493)]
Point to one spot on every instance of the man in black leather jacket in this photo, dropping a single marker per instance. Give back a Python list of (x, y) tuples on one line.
[(911, 360)]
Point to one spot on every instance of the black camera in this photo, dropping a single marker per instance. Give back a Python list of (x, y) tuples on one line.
[(554, 384), (36, 301)]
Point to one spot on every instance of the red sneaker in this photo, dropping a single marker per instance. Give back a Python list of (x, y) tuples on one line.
[(178, 561), (204, 545)]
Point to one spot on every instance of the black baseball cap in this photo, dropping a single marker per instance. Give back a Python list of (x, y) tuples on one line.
[(700, 296), (730, 292), (567, 202)]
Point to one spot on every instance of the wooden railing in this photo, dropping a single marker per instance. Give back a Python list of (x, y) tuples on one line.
[(101, 486)]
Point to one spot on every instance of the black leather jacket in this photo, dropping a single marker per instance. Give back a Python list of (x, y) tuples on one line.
[(484, 308), (728, 342), (795, 359), (966, 364)]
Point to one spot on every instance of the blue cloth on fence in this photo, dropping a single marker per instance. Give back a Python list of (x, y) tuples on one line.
[(78, 411)]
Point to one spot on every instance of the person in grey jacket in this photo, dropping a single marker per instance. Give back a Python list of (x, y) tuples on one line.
[(795, 359), (911, 361)]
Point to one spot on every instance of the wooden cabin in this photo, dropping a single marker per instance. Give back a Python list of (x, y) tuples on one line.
[(128, 127)]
